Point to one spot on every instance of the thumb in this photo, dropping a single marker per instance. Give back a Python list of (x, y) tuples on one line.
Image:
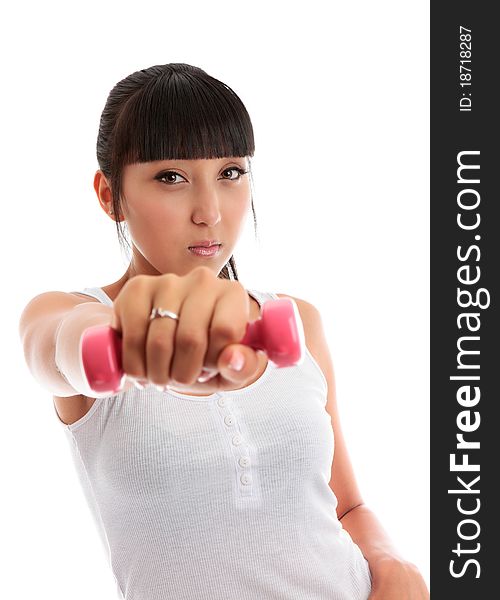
[(237, 362)]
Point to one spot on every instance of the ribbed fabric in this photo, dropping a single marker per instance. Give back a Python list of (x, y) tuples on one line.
[(219, 497)]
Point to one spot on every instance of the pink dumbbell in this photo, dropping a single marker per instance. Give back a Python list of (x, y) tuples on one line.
[(278, 332)]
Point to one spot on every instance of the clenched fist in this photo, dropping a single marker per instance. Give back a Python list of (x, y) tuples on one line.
[(213, 316)]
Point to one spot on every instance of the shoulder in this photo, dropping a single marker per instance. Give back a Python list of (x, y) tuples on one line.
[(310, 315), (85, 297), (305, 307), (314, 335)]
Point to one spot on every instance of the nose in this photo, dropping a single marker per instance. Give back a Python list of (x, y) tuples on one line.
[(206, 207)]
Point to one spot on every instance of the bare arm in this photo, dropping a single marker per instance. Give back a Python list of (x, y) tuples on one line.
[(67, 359), (367, 532), (50, 328), (394, 578)]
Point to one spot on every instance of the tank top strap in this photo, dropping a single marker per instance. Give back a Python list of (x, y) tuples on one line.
[(96, 292), (262, 297)]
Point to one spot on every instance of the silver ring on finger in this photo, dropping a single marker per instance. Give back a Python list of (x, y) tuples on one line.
[(160, 312)]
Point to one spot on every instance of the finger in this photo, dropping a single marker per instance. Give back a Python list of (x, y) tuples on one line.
[(161, 335), (131, 322), (191, 336), (244, 360), (229, 322)]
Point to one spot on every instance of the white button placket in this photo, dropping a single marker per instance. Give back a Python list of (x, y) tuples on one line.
[(238, 447)]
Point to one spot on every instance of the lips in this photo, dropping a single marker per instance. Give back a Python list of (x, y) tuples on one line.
[(204, 244)]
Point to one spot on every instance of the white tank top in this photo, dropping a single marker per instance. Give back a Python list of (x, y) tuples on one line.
[(218, 497)]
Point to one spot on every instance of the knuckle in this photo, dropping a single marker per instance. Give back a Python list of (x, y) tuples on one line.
[(236, 290), (159, 344), (237, 285), (189, 340), (132, 287), (234, 287), (168, 280), (228, 331), (137, 282), (203, 274), (132, 341), (131, 355)]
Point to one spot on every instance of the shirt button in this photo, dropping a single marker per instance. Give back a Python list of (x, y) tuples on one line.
[(228, 420), (246, 479), (244, 461), (221, 401), (237, 439)]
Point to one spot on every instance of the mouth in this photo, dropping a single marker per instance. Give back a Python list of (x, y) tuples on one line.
[(208, 251), (205, 244)]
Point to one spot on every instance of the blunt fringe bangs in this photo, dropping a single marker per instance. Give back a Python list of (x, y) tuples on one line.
[(182, 116)]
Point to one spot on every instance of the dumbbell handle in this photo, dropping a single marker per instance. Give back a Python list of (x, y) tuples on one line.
[(278, 332)]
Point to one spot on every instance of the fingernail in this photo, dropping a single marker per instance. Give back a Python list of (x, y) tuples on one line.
[(236, 361), (160, 388), (138, 384), (206, 375)]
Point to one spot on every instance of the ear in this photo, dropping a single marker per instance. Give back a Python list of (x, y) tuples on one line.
[(103, 191)]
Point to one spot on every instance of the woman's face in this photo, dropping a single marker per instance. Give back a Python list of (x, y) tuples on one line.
[(170, 205)]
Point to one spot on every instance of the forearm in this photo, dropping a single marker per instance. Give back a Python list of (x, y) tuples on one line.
[(67, 344), (367, 532), (393, 577)]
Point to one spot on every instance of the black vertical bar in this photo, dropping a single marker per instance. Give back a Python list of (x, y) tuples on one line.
[(465, 233)]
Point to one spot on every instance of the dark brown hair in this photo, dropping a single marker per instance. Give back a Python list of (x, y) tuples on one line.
[(172, 111)]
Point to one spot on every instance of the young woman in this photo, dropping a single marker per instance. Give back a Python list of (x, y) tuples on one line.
[(211, 473)]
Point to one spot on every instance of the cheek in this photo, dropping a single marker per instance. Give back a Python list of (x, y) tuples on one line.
[(238, 206), (154, 229), (245, 210), (154, 217)]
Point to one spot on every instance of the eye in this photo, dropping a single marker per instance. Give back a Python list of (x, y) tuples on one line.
[(167, 175), (237, 169)]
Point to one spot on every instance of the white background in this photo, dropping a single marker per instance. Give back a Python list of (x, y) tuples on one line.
[(338, 93)]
